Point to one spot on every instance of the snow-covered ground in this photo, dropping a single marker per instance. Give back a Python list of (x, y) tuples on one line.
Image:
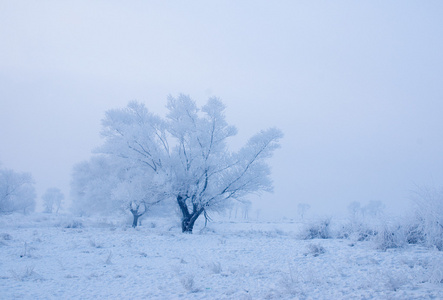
[(59, 257)]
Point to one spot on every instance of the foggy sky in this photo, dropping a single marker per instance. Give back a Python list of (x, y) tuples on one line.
[(356, 87)]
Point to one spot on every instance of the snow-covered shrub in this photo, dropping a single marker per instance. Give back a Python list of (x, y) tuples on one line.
[(189, 284), (428, 224), (315, 250), (390, 236), (72, 224), (6, 236), (96, 244), (414, 233), (395, 280), (356, 231), (363, 222), (215, 267), (152, 225), (293, 284), (317, 230)]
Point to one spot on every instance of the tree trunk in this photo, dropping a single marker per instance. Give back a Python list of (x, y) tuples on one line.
[(135, 220), (188, 218), (136, 213), (188, 225)]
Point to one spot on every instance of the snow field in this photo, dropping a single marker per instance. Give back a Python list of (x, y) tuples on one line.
[(42, 259)]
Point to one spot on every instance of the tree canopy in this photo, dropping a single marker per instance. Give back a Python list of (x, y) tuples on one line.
[(17, 192), (185, 156)]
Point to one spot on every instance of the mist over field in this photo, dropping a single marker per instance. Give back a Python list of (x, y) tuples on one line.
[(355, 88)]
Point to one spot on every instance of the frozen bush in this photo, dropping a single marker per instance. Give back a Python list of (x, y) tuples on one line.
[(293, 286), (294, 283), (6, 236), (215, 267), (189, 284), (73, 224), (96, 244), (315, 250), (317, 230), (414, 233), (428, 226), (395, 280), (356, 231), (390, 236)]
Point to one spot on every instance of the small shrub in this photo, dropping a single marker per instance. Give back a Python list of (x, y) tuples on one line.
[(390, 237), (206, 230), (152, 225), (189, 284), (6, 236), (215, 267), (94, 243), (280, 232), (429, 217), (415, 234), (293, 284), (318, 230), (315, 250), (356, 231), (365, 234), (72, 224), (394, 281)]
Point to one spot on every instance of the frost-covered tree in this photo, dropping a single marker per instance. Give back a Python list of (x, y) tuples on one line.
[(17, 192), (373, 208), (188, 156), (302, 209), (105, 185), (206, 175), (52, 200), (91, 186), (137, 191), (354, 209)]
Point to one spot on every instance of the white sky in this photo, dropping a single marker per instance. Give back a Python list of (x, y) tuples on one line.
[(357, 87)]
